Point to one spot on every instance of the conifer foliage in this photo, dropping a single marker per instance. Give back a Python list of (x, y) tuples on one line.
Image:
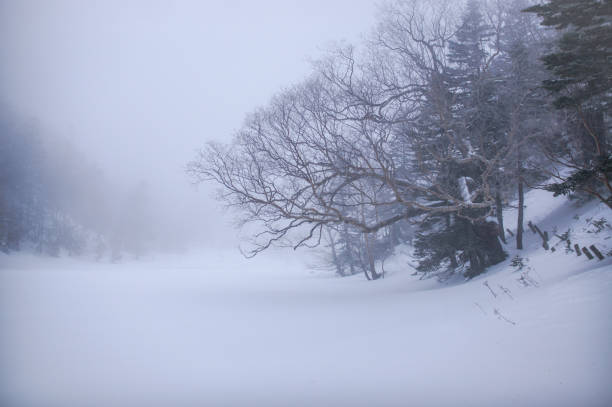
[(582, 59), (581, 81)]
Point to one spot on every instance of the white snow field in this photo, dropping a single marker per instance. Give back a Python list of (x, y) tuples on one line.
[(218, 330)]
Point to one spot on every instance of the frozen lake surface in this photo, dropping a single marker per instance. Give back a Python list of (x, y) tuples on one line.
[(217, 329)]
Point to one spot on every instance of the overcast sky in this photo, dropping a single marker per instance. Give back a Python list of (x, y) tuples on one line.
[(140, 85)]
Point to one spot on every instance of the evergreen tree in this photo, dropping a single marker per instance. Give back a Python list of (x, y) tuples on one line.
[(581, 68), (463, 100), (468, 49), (581, 63)]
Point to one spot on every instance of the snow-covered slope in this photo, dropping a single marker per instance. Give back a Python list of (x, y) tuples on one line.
[(216, 329)]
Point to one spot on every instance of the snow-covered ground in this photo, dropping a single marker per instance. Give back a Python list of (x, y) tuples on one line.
[(216, 329)]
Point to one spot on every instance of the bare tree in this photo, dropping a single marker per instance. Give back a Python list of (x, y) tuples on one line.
[(342, 147)]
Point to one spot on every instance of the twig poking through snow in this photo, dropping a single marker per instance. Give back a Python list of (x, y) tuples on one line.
[(506, 291), (482, 309), (501, 317), (526, 280), (486, 284)]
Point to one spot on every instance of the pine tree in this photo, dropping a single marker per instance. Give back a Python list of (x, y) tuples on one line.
[(468, 49), (581, 69), (582, 61), (463, 100)]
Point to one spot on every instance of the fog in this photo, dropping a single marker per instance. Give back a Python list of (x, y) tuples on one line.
[(452, 174), (134, 88)]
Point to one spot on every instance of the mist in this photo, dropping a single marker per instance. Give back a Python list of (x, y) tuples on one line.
[(136, 88), (305, 203)]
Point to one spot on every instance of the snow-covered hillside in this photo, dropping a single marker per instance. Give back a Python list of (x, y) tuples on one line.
[(216, 329)]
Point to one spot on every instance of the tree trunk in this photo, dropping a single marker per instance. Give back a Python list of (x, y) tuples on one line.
[(373, 272), (472, 252), (521, 205), (366, 239), (453, 260), (500, 216), (452, 255), (334, 254), (349, 249)]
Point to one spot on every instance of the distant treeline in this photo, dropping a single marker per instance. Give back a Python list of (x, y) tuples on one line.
[(54, 201)]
